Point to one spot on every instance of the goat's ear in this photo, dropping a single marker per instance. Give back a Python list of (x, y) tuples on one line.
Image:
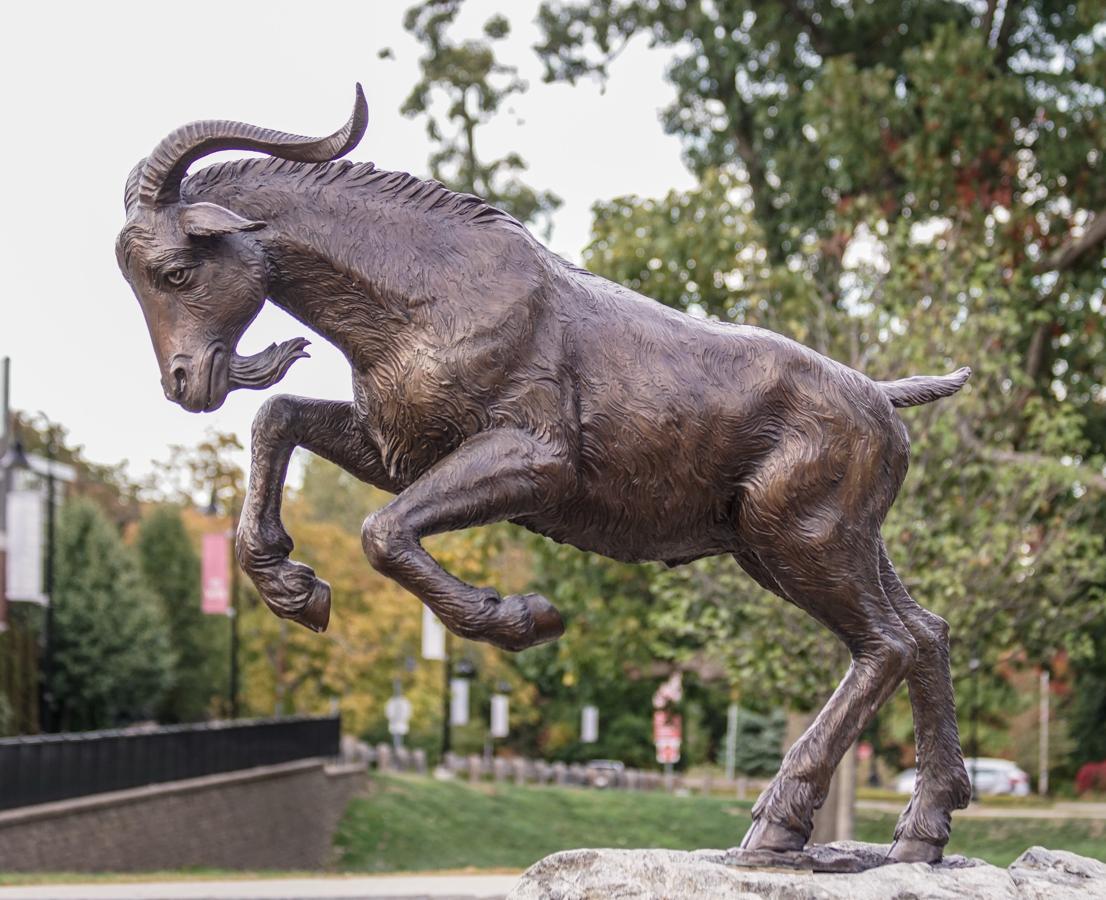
[(211, 220)]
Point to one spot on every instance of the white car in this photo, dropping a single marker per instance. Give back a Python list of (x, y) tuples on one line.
[(604, 773), (990, 776)]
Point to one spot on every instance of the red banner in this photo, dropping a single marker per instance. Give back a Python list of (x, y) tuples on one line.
[(216, 574)]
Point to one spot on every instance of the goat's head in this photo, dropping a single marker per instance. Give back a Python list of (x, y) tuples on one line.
[(196, 268)]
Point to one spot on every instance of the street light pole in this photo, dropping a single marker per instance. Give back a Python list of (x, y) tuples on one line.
[(973, 665), (47, 709)]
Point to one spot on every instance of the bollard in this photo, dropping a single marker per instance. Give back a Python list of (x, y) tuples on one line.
[(384, 760)]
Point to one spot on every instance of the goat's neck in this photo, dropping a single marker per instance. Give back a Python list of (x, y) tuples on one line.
[(332, 268), (348, 309)]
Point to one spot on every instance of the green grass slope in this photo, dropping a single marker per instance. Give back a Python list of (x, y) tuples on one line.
[(416, 824)]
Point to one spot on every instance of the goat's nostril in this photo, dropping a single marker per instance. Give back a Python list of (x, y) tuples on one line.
[(180, 382)]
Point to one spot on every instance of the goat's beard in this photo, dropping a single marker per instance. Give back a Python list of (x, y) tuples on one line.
[(264, 369)]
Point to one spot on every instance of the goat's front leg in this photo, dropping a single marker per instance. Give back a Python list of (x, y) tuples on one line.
[(495, 475), (329, 429)]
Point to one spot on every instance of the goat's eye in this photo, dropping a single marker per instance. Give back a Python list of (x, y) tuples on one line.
[(176, 277)]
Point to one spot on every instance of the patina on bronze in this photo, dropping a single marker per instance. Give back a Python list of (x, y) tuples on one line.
[(494, 381)]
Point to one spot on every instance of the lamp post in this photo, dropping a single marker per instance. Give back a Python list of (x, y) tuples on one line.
[(48, 628), (15, 460)]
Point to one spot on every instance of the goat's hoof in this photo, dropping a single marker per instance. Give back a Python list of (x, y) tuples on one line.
[(315, 613), (912, 850), (765, 835), (528, 620)]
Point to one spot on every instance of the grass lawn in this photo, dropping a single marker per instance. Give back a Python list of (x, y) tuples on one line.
[(417, 824)]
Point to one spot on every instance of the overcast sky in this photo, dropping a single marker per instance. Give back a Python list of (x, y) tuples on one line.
[(91, 88)]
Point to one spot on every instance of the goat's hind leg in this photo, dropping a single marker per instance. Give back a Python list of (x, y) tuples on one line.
[(942, 784), (837, 583)]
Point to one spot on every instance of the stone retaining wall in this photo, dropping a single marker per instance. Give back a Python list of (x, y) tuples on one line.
[(272, 817)]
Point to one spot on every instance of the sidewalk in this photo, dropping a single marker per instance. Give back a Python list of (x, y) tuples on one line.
[(1061, 809), (381, 887)]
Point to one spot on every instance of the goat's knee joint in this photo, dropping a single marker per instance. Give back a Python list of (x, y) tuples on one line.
[(891, 653), (901, 652), (935, 630), (275, 416), (383, 539)]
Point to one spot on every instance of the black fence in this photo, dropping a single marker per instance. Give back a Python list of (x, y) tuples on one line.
[(43, 768)]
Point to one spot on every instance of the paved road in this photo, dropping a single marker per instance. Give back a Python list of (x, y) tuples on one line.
[(382, 887)]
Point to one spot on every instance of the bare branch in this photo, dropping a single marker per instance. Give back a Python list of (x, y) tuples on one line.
[(1069, 252), (1086, 475)]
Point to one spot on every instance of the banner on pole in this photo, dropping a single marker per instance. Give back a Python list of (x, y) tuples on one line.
[(459, 701), (24, 518), (215, 574), (589, 724), (433, 636), (500, 728)]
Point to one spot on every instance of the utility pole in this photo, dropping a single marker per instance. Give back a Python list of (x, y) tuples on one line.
[(973, 667), (447, 725), (1042, 765)]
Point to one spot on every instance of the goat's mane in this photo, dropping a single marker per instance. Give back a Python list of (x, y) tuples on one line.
[(427, 196)]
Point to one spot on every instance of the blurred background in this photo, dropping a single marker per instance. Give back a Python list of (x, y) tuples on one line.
[(905, 187)]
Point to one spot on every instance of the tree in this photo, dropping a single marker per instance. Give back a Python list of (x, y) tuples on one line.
[(375, 626), (759, 738), (473, 85), (904, 188), (112, 662), (172, 570)]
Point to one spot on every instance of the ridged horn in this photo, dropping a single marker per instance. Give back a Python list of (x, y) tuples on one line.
[(160, 181), (130, 194)]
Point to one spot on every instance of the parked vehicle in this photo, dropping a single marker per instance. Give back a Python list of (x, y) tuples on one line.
[(604, 773), (990, 777)]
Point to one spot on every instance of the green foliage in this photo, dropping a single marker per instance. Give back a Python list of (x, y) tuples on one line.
[(759, 742), (1087, 707), (172, 570), (19, 669), (472, 85), (416, 824), (112, 661)]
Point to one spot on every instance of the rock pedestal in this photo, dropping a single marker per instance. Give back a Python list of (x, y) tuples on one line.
[(1037, 874)]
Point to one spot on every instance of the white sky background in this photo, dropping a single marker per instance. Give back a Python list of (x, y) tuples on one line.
[(88, 89)]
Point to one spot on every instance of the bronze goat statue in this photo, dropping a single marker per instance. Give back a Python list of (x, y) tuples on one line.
[(494, 381)]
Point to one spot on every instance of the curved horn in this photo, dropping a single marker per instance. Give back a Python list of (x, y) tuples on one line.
[(166, 167), (130, 193)]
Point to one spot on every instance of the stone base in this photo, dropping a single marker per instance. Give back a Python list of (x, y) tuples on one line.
[(1037, 874)]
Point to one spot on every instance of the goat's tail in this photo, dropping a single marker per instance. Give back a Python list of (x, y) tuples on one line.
[(923, 388)]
